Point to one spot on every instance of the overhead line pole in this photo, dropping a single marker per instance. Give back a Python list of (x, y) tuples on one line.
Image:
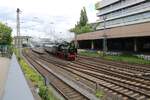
[(18, 32), (105, 37)]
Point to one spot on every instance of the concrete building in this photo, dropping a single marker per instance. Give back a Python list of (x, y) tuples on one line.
[(125, 23), (24, 40), (122, 12)]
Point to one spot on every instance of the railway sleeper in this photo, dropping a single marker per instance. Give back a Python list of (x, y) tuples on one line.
[(73, 95), (110, 88), (141, 98), (113, 81), (135, 66), (78, 98), (69, 91), (119, 89), (120, 75), (116, 66), (57, 81), (114, 89), (135, 95)]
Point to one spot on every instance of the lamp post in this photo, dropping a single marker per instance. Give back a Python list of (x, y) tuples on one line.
[(104, 37)]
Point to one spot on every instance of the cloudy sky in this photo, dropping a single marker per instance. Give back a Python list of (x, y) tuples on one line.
[(46, 18)]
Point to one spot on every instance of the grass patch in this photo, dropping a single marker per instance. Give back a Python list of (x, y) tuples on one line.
[(129, 59), (91, 53), (99, 94), (123, 58), (36, 79)]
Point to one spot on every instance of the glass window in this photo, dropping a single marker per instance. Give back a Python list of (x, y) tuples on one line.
[(146, 15)]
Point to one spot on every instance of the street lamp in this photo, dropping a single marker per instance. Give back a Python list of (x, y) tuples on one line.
[(104, 37)]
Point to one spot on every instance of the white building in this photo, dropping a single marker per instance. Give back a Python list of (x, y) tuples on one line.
[(122, 12)]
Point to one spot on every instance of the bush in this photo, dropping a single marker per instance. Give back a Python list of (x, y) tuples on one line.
[(82, 29), (129, 58), (43, 92), (35, 78), (99, 94)]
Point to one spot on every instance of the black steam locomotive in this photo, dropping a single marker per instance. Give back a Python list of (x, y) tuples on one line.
[(63, 50)]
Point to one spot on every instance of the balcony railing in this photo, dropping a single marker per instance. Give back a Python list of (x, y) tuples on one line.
[(118, 6), (128, 11), (104, 3), (126, 20)]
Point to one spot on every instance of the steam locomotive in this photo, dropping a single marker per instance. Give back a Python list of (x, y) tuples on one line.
[(63, 50)]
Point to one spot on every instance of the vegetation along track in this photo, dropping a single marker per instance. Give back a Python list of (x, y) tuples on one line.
[(134, 88), (68, 92), (136, 68)]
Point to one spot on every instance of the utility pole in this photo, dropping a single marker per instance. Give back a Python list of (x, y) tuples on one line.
[(105, 37), (18, 32), (75, 39)]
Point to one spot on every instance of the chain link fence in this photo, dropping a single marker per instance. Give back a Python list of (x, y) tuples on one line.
[(6, 51)]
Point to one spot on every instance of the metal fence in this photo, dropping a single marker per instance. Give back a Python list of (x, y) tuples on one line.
[(6, 51)]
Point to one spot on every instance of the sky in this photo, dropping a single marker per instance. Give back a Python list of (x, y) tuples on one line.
[(46, 18)]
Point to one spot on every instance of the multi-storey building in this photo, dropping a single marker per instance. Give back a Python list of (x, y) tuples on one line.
[(122, 12), (124, 24)]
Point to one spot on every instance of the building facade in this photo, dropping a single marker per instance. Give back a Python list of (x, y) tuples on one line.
[(22, 41), (122, 12), (125, 24)]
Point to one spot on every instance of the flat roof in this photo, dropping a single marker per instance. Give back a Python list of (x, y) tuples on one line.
[(23, 37), (136, 30)]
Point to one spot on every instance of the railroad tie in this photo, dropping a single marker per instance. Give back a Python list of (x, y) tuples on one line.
[(141, 98), (143, 85), (115, 87), (125, 90), (114, 93), (119, 95), (138, 84), (119, 89), (110, 91), (125, 98), (105, 89), (111, 85), (128, 93), (135, 95), (107, 84)]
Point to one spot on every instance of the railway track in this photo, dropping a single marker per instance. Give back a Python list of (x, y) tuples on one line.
[(113, 72), (131, 67), (132, 88), (135, 70), (67, 91)]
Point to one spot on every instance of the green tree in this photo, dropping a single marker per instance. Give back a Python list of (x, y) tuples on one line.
[(5, 34), (82, 26), (83, 17)]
